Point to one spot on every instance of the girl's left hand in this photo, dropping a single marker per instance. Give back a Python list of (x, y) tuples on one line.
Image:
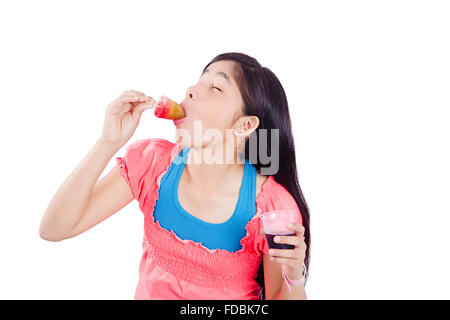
[(291, 259)]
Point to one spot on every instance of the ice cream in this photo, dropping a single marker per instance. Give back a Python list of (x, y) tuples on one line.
[(168, 109)]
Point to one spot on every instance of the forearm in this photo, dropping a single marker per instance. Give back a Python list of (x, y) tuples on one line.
[(68, 204)]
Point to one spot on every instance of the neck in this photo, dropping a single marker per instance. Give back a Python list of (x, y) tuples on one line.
[(213, 166)]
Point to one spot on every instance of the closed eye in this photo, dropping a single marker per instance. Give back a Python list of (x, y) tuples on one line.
[(217, 88)]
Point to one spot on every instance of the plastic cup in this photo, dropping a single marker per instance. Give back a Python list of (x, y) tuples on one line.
[(275, 223)]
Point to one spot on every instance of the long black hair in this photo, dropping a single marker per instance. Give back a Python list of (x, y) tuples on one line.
[(264, 97)]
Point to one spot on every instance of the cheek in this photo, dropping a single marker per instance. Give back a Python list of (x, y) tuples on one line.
[(202, 133), (208, 121), (219, 123), (216, 118)]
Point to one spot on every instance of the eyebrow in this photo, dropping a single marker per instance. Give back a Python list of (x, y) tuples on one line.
[(219, 73)]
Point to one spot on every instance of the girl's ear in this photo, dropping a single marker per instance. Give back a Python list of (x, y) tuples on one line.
[(248, 124)]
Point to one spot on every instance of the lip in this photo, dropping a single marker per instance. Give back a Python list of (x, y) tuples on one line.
[(179, 121), (184, 107)]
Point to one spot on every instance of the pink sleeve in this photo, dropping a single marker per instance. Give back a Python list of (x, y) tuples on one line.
[(276, 201), (138, 164), (260, 241)]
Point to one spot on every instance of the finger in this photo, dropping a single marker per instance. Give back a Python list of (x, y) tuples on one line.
[(297, 227), (294, 263), (132, 93), (293, 240), (136, 96), (145, 106), (151, 100), (120, 108), (145, 97), (138, 93), (287, 253), (127, 104), (126, 93), (130, 99)]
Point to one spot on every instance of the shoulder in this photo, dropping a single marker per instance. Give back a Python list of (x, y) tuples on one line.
[(146, 151), (271, 189), (143, 161), (274, 196), (144, 147), (260, 180), (145, 154)]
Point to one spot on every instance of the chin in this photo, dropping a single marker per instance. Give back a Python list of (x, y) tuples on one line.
[(183, 137)]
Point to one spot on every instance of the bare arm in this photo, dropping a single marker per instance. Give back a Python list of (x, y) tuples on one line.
[(110, 194), (274, 284), (82, 201)]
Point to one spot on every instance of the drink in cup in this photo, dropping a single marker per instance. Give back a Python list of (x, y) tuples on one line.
[(275, 223)]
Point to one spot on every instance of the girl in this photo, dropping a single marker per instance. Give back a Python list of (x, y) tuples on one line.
[(203, 236)]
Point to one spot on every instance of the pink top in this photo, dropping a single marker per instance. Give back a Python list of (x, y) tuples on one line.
[(174, 268)]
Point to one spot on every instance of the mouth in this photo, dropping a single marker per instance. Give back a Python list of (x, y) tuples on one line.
[(179, 121), (184, 107)]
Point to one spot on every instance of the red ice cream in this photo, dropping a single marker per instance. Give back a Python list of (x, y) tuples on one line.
[(168, 109)]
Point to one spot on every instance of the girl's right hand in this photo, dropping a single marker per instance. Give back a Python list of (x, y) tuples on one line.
[(122, 117)]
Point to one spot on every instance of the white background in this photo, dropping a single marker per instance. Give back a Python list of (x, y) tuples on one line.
[(368, 88)]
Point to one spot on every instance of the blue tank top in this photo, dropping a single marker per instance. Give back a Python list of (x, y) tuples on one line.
[(171, 215)]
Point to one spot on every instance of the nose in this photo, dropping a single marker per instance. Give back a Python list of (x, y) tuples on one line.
[(190, 93)]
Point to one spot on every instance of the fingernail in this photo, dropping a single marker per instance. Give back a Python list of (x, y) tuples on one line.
[(276, 239)]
